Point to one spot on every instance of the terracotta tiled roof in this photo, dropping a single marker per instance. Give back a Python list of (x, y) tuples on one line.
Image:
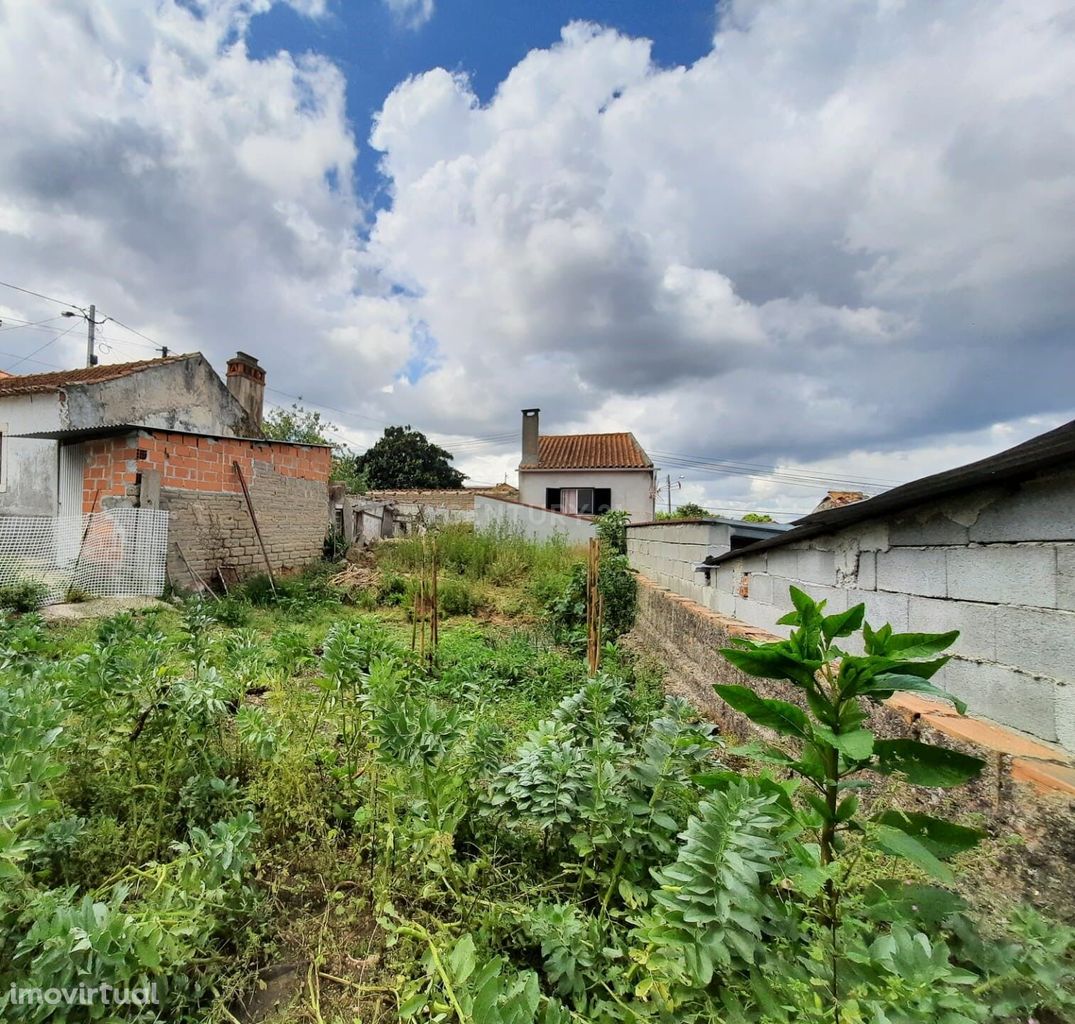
[(837, 499), (32, 383), (589, 451)]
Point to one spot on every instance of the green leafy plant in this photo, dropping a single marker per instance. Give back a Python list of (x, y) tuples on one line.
[(833, 749), (23, 595), (612, 530)]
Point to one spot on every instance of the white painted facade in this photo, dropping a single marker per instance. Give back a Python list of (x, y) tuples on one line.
[(538, 523), (996, 563), (632, 489), (184, 394), (28, 467)]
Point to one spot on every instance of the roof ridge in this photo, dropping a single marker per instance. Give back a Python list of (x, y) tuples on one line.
[(54, 380)]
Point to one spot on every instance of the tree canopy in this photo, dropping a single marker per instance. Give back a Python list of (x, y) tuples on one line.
[(306, 426), (407, 458)]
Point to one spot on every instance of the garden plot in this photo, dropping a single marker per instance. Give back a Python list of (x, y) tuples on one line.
[(271, 808)]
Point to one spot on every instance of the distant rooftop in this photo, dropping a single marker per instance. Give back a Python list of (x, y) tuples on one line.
[(837, 499), (590, 451)]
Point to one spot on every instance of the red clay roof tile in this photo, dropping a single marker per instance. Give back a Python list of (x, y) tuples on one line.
[(590, 451), (32, 383)]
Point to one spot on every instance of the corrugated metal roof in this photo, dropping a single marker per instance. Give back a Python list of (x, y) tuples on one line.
[(590, 451), (115, 429), (33, 383)]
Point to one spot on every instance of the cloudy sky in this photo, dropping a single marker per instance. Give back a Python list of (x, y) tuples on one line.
[(835, 238)]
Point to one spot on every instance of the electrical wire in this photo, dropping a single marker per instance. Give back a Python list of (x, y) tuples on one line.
[(153, 344), (38, 295), (24, 325), (41, 348), (776, 476)]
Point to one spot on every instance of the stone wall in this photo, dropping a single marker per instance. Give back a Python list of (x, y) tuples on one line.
[(193, 477), (998, 564), (1027, 787)]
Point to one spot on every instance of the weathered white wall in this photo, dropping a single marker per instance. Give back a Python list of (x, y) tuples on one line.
[(28, 468), (186, 395), (632, 490), (998, 564), (539, 523)]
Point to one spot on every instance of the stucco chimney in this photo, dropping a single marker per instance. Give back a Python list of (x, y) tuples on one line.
[(246, 381), (530, 437)]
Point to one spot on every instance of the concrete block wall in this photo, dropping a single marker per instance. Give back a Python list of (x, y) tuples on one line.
[(996, 564), (666, 553), (1027, 786), (214, 529)]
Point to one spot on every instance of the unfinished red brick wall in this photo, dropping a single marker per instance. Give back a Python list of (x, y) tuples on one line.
[(192, 462), (200, 488)]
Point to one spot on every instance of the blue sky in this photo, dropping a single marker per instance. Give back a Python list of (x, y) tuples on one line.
[(484, 39)]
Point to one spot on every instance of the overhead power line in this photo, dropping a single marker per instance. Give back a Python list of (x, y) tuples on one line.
[(41, 348), (25, 325), (38, 295), (774, 474)]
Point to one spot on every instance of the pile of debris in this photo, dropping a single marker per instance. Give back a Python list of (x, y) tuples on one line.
[(357, 577)]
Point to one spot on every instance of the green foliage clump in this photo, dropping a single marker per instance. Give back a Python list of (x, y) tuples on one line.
[(612, 530), (616, 581), (494, 837), (688, 510), (403, 457), (23, 595)]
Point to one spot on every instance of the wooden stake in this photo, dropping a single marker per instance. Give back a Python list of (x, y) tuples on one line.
[(434, 609), (194, 575), (257, 529), (593, 607)]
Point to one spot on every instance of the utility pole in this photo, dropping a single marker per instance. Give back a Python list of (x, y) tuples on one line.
[(92, 322), (667, 483), (91, 359)]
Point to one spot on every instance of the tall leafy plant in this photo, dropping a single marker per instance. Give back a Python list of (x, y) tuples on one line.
[(832, 748)]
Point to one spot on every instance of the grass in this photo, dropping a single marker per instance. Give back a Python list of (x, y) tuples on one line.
[(500, 557)]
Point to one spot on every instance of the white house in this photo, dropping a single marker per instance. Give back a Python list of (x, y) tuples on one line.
[(585, 474), (41, 477)]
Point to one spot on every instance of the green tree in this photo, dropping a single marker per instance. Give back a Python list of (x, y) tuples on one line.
[(757, 517), (306, 426), (690, 510), (407, 458)]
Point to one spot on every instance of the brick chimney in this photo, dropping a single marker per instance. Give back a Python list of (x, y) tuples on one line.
[(246, 381), (530, 437)]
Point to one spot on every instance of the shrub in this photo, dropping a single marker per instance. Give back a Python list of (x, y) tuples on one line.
[(612, 531), (500, 555), (25, 595), (392, 590), (566, 610), (456, 597)]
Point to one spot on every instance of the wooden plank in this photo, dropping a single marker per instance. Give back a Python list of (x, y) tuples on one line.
[(257, 529)]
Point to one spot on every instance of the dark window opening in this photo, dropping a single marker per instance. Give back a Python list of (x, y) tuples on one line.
[(583, 501), (742, 542)]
